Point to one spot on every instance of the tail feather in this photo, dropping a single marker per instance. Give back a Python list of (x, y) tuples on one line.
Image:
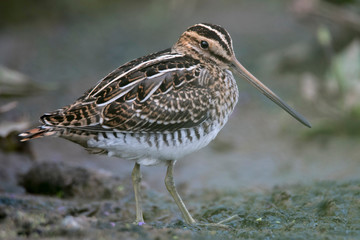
[(38, 132)]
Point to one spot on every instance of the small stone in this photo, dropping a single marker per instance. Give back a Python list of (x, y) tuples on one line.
[(3, 213), (71, 222), (76, 223)]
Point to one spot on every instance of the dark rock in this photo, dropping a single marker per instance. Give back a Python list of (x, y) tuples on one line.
[(3, 213), (58, 179)]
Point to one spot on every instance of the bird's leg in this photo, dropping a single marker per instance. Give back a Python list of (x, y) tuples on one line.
[(136, 179), (170, 185)]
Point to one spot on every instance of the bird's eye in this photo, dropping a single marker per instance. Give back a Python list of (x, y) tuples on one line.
[(204, 44)]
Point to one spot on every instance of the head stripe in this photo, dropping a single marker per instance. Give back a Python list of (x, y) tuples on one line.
[(221, 31), (212, 33)]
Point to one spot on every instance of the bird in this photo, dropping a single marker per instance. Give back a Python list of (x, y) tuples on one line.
[(160, 107)]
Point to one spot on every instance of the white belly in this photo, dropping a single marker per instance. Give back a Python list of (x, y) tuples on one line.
[(154, 148)]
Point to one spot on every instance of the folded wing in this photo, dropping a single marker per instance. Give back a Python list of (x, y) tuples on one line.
[(161, 93)]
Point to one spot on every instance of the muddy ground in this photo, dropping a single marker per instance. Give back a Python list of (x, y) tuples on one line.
[(94, 205), (322, 210)]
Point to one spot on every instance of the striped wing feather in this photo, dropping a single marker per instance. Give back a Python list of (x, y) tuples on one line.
[(161, 112), (160, 92)]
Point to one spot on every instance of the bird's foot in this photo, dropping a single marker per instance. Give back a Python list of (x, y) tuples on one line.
[(220, 224), (212, 225), (139, 222)]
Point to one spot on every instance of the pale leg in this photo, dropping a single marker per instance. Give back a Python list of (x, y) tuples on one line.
[(136, 179), (170, 185)]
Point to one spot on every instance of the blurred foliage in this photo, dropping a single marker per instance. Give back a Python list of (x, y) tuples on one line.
[(16, 84), (337, 95), (23, 11), (331, 78), (10, 142), (343, 77), (341, 2), (346, 125), (13, 85)]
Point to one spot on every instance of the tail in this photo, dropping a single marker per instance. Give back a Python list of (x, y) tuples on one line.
[(38, 132)]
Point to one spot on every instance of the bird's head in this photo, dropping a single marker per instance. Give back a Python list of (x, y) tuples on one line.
[(212, 44)]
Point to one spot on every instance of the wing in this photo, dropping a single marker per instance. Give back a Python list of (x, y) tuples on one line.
[(183, 108), (159, 92)]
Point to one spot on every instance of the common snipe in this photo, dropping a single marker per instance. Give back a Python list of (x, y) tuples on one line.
[(160, 107)]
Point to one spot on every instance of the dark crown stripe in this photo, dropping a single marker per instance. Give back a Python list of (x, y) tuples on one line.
[(222, 30), (211, 34)]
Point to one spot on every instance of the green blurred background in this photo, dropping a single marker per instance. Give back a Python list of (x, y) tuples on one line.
[(306, 51)]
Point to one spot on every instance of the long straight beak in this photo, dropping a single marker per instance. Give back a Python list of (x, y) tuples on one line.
[(267, 92)]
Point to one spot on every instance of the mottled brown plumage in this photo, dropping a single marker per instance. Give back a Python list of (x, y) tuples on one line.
[(159, 107)]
